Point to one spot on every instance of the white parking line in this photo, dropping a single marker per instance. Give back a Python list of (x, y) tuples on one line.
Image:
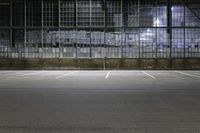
[(6, 72), (187, 74), (197, 74), (67, 74), (10, 72), (149, 75), (27, 74), (107, 75), (32, 73)]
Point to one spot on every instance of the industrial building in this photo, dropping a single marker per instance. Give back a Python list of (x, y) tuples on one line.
[(122, 29), (99, 66)]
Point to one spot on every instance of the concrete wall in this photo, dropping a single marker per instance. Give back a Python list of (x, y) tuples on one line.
[(149, 64)]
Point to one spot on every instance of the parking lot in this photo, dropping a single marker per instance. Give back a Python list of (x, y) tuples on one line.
[(99, 101)]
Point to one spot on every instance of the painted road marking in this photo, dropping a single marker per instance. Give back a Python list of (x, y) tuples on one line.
[(187, 74), (9, 73), (27, 74), (67, 74), (198, 74), (149, 75), (32, 73), (107, 75)]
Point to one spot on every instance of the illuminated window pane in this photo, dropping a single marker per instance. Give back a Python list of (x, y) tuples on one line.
[(113, 43), (83, 15), (178, 42), (131, 45), (114, 13), (97, 13), (97, 43), (68, 43), (50, 43), (148, 43), (83, 43), (192, 42)]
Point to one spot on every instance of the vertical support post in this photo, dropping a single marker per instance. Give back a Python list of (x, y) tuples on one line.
[(90, 13), (90, 43), (138, 13), (11, 26), (184, 29), (59, 24), (121, 25), (156, 40), (105, 14), (104, 50), (124, 13), (139, 28), (169, 25), (24, 28), (76, 25), (140, 56), (104, 11), (53, 18), (90, 29), (105, 24), (156, 56), (122, 29), (76, 12), (42, 28)]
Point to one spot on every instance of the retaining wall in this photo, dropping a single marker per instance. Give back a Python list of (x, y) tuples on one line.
[(146, 64)]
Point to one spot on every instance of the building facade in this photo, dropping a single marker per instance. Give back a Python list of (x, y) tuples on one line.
[(99, 28)]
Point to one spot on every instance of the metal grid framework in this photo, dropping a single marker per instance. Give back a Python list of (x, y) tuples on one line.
[(99, 28)]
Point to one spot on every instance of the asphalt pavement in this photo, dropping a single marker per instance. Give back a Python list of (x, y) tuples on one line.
[(99, 101)]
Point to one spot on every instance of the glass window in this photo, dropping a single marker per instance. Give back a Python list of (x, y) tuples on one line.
[(97, 43), (113, 43), (147, 11), (67, 13), (18, 12), (83, 38), (97, 14), (4, 13), (160, 17), (178, 15), (148, 43), (131, 45), (68, 43), (131, 13), (192, 42), (50, 12), (192, 17), (18, 44), (33, 43), (162, 46), (177, 42), (50, 43), (114, 13), (83, 15), (4, 43), (33, 13)]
